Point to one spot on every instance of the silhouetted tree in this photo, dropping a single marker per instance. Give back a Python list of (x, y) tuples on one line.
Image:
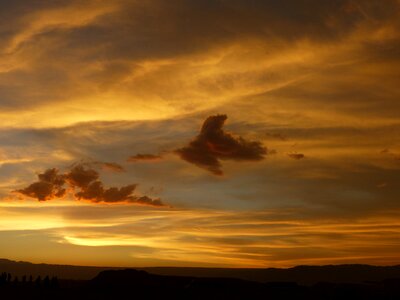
[(30, 279), (24, 279), (38, 281), (54, 282), (3, 278), (8, 277), (46, 282), (16, 279)]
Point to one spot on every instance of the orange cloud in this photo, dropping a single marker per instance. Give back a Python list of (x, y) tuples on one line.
[(81, 177), (51, 186), (214, 144)]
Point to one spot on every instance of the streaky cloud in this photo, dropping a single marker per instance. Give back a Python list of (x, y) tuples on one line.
[(144, 157), (296, 156)]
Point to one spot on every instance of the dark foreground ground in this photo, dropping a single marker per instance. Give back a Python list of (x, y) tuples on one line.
[(23, 280), (134, 284)]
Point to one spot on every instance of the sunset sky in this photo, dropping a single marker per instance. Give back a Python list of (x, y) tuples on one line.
[(220, 133)]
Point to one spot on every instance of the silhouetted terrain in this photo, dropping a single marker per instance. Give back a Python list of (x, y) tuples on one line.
[(325, 282), (61, 271), (304, 275)]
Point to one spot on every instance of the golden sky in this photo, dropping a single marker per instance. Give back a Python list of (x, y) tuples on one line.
[(240, 133)]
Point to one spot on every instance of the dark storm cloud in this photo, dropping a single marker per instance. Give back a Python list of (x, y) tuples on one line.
[(214, 144), (51, 185)]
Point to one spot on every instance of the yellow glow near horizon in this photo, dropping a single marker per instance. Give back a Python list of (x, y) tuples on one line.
[(110, 241)]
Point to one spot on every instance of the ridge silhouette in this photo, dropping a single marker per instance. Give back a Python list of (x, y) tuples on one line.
[(304, 275), (333, 283)]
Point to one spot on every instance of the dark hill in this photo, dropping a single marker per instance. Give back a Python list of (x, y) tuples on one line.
[(304, 275), (143, 285), (22, 268), (139, 284), (146, 285)]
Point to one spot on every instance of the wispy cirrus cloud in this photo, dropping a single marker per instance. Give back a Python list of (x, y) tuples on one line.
[(88, 58), (189, 237)]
